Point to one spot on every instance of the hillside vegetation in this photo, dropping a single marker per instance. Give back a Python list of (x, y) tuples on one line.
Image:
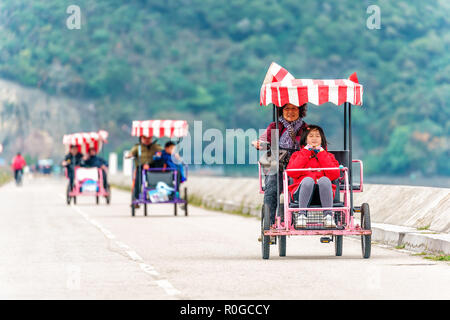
[(205, 60)]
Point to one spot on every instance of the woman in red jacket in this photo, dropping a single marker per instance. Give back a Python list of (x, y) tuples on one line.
[(313, 154)]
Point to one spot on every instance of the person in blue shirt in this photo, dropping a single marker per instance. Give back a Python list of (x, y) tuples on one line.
[(167, 157), (93, 161)]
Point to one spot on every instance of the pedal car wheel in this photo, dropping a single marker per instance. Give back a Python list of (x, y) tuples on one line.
[(282, 246), (68, 198), (74, 200), (108, 197), (174, 209), (186, 204), (97, 200), (281, 239), (338, 241), (132, 209), (366, 240), (265, 225), (145, 209)]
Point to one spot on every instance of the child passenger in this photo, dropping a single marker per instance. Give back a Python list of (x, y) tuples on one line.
[(313, 154), (168, 155)]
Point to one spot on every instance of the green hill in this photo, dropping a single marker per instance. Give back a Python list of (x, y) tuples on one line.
[(205, 60)]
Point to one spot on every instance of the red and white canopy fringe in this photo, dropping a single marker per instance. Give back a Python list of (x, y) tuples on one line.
[(160, 128), (280, 87), (86, 140)]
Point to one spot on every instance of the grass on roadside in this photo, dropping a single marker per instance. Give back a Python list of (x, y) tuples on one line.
[(434, 257), (195, 201), (5, 176), (438, 257)]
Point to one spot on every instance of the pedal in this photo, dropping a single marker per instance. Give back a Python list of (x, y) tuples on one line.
[(325, 240)]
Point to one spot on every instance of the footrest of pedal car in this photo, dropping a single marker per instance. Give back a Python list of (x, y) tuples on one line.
[(325, 240)]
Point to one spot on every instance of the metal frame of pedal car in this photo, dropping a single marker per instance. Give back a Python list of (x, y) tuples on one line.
[(284, 227), (143, 193), (76, 191), (161, 131)]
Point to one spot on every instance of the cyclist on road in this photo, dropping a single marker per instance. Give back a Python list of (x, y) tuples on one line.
[(18, 163)]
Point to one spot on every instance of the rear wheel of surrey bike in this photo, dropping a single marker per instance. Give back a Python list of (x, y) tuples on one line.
[(282, 246), (338, 241), (282, 239), (108, 197), (366, 240), (186, 204), (265, 225), (68, 198)]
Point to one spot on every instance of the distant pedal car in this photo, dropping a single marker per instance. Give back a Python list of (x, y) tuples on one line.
[(160, 185), (87, 181), (282, 89)]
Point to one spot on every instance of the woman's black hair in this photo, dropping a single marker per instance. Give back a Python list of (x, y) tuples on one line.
[(310, 128), (302, 111)]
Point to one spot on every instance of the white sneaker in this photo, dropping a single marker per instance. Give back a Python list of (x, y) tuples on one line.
[(328, 221), (301, 220)]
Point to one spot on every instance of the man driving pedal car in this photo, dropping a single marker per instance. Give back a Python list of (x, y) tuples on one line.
[(71, 160), (143, 154)]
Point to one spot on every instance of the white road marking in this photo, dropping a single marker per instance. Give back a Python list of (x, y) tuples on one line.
[(122, 245), (149, 269), (133, 255), (167, 286)]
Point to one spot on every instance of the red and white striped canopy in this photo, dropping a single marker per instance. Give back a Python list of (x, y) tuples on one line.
[(160, 128), (280, 87), (86, 140)]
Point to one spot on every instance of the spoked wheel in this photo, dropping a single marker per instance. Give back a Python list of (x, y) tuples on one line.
[(68, 197), (366, 240), (338, 241), (265, 225)]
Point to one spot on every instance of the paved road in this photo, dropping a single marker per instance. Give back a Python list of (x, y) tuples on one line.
[(50, 250)]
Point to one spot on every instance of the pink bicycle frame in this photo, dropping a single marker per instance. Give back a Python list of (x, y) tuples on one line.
[(77, 186), (361, 169), (287, 229)]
